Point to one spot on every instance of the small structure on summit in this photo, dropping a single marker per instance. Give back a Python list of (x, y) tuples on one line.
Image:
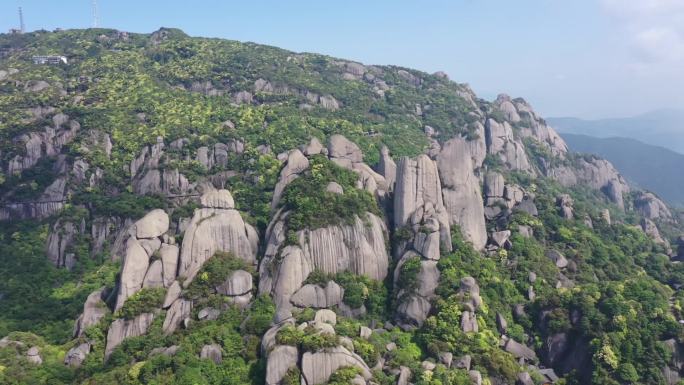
[(50, 59)]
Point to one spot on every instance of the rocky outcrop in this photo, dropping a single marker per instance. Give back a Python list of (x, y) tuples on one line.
[(50, 202), (359, 248), (121, 329), (461, 191), (94, 309), (651, 207), (145, 241), (76, 355), (347, 154), (598, 174), (60, 240), (217, 226), (530, 125), (149, 178), (48, 143), (179, 311), (295, 165), (502, 143), (565, 203), (387, 167), (650, 228)]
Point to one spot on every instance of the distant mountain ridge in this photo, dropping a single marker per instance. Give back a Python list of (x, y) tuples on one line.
[(654, 168), (661, 128)]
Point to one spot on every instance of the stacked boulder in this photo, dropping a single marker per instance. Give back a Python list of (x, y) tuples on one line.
[(315, 367), (502, 143), (501, 198), (152, 260)]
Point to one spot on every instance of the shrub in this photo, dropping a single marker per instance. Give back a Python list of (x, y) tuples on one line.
[(213, 273), (143, 301)]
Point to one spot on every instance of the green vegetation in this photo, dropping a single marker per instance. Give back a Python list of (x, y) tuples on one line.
[(358, 291), (213, 273), (309, 339), (143, 301), (313, 207)]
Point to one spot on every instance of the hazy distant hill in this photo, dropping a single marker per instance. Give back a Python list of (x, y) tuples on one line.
[(661, 128), (652, 167)]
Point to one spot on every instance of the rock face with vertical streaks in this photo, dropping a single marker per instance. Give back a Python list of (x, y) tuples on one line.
[(461, 191), (359, 248)]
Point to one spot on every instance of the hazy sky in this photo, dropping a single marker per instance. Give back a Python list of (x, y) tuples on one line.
[(585, 58)]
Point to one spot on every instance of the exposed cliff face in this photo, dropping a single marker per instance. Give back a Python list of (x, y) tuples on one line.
[(419, 212), (502, 143), (461, 191), (359, 248), (595, 173)]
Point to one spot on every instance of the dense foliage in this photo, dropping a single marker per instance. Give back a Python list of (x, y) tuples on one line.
[(313, 206)]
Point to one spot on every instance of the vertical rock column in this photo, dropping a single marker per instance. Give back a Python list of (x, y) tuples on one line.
[(422, 221)]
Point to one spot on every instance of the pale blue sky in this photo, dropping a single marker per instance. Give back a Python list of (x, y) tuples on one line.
[(585, 58)]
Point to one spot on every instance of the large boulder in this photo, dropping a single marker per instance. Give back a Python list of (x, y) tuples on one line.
[(238, 283), (76, 355), (557, 258), (343, 151), (317, 367), (318, 297), (212, 230), (519, 350), (280, 360), (152, 225), (135, 264), (94, 309), (177, 313), (212, 352)]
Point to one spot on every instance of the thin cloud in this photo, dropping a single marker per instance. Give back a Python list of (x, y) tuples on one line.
[(655, 28)]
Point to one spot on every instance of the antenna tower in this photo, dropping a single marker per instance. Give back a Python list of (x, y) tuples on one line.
[(95, 17), (22, 28)]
